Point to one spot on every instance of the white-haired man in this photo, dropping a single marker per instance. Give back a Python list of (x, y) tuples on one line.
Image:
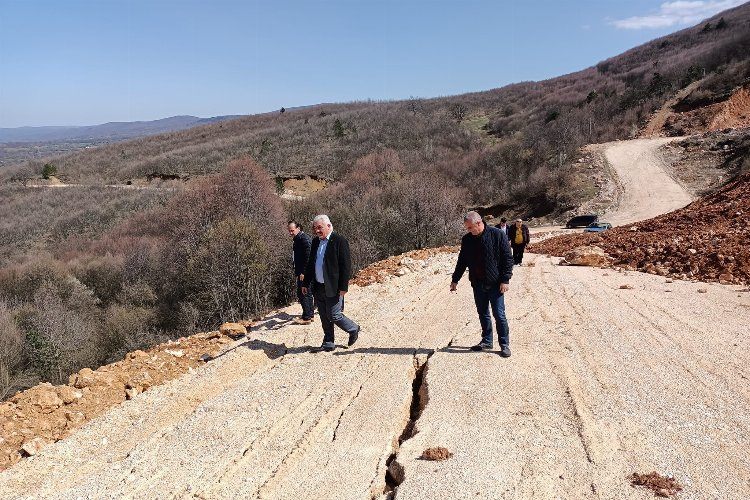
[(327, 272), (486, 252)]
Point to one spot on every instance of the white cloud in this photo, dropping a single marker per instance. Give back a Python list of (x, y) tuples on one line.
[(678, 13)]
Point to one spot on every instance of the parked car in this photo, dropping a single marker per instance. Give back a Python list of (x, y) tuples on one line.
[(581, 221), (597, 227)]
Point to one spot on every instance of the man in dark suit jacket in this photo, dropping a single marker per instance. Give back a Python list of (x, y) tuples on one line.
[(327, 272), (503, 226), (300, 255)]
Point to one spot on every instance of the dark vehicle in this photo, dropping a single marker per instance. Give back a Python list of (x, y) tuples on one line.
[(597, 227), (581, 221)]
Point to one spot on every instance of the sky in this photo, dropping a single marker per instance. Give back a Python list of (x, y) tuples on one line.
[(89, 62)]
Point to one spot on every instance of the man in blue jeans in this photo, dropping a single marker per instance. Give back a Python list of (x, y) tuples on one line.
[(485, 250)]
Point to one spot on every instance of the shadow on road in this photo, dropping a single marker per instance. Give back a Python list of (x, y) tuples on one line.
[(274, 322), (399, 351)]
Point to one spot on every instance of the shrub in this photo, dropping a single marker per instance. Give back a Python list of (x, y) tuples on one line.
[(11, 346), (229, 276), (48, 170)]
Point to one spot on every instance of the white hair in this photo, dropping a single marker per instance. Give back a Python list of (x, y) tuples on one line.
[(322, 218), (472, 217)]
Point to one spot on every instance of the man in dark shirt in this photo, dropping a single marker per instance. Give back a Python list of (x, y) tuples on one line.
[(486, 252), (503, 226), (300, 255)]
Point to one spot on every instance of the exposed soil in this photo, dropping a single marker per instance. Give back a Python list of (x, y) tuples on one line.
[(706, 240), (661, 485), (438, 454), (45, 413), (301, 186), (703, 163), (678, 119), (398, 265)]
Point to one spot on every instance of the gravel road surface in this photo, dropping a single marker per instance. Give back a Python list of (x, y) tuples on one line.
[(603, 382)]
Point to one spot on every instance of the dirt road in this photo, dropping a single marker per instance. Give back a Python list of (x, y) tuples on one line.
[(603, 382), (645, 187)]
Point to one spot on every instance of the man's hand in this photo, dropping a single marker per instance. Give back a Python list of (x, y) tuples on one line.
[(342, 293), (302, 277), (504, 287), (304, 290), (453, 286)]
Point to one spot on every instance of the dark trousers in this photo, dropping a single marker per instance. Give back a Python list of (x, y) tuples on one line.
[(306, 301), (331, 312), (517, 252), (486, 298)]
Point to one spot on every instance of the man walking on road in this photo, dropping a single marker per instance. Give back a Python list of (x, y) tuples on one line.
[(519, 237), (486, 252), (300, 255), (328, 271), (503, 226)]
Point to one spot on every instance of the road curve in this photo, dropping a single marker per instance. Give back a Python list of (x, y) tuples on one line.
[(645, 187)]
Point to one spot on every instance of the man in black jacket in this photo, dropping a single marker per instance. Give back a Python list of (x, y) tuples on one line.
[(300, 255), (328, 271), (486, 252)]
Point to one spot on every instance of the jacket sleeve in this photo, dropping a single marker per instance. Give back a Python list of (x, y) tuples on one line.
[(310, 266), (505, 259), (306, 244), (345, 265), (526, 235), (460, 264)]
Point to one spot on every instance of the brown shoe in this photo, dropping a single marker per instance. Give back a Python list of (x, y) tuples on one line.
[(300, 321)]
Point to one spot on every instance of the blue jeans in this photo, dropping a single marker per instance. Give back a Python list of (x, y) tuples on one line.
[(484, 297)]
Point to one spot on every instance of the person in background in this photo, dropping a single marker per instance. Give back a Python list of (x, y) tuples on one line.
[(485, 251), (328, 271), (300, 254), (503, 226), (518, 234)]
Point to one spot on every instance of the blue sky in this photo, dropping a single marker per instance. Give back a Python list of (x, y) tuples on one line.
[(88, 62)]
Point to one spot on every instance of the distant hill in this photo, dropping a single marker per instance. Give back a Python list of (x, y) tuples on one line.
[(514, 146), (111, 130)]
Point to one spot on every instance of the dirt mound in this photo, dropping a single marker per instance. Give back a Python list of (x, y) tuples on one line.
[(45, 413), (733, 112), (661, 485), (398, 265), (438, 453), (706, 240)]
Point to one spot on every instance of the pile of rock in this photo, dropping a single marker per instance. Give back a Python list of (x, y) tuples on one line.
[(399, 265), (45, 413), (707, 240)]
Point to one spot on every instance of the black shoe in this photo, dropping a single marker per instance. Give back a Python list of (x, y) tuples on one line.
[(353, 337), (481, 347), (325, 346), (505, 351)]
